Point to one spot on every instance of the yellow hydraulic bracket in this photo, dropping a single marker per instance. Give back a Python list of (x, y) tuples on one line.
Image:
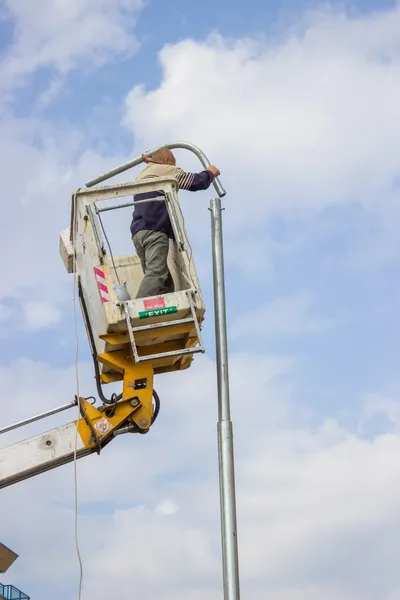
[(97, 426)]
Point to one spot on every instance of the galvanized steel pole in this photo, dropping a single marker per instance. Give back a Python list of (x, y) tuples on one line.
[(230, 560)]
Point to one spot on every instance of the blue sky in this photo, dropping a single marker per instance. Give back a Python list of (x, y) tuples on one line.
[(298, 104)]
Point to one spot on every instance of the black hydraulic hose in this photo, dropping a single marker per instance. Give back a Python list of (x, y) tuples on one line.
[(103, 398), (156, 407)]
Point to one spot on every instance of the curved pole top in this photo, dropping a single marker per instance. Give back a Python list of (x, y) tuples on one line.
[(136, 161)]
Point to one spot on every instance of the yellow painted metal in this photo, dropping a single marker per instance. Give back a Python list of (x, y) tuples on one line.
[(119, 365), (152, 341), (101, 427), (136, 405), (142, 417), (7, 558), (115, 339), (111, 377), (134, 376)]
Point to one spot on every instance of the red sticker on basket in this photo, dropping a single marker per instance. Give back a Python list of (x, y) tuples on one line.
[(154, 303)]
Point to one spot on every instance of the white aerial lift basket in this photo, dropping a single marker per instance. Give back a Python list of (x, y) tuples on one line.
[(163, 330), (131, 339)]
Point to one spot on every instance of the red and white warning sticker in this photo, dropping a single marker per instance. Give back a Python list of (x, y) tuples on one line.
[(154, 303), (101, 284)]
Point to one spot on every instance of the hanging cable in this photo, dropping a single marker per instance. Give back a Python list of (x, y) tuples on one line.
[(114, 397), (74, 223)]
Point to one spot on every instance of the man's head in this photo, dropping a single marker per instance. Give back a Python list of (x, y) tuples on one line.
[(164, 156)]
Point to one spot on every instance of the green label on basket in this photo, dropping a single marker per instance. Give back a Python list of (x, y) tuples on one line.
[(158, 312)]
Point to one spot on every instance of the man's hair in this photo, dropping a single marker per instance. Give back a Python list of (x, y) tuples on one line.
[(161, 154)]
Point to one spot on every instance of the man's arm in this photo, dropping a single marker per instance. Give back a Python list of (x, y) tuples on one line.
[(194, 182)]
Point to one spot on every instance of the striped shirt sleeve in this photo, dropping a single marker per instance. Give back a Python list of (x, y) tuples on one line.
[(194, 182)]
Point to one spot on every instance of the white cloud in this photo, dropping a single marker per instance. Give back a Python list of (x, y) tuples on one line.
[(63, 34), (383, 405), (24, 316), (41, 167), (289, 316), (319, 101), (39, 315), (36, 387), (309, 122), (167, 507), (9, 319), (315, 504)]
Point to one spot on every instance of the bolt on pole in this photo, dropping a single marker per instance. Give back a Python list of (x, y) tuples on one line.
[(230, 561)]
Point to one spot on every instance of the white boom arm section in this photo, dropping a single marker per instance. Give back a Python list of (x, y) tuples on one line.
[(39, 454), (89, 434)]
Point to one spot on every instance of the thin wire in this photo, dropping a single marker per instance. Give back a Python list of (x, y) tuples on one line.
[(109, 248), (79, 402)]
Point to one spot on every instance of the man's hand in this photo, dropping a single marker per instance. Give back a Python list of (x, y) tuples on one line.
[(147, 159), (213, 170)]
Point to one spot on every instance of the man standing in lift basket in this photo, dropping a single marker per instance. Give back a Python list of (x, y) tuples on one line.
[(151, 227)]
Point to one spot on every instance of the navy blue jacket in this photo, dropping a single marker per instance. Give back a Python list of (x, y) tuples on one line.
[(154, 215)]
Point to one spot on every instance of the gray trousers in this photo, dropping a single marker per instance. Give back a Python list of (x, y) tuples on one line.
[(152, 249)]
